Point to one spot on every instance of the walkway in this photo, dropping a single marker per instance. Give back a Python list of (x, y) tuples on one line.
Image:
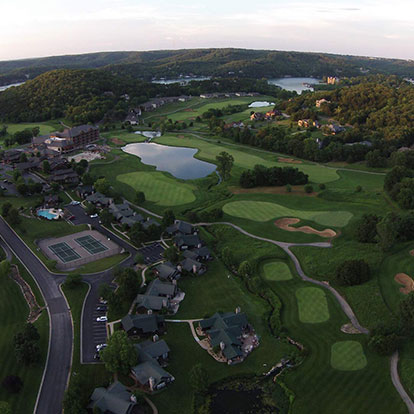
[(194, 333)]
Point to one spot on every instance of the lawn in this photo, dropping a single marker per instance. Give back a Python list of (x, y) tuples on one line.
[(245, 157), (13, 314), (265, 211), (348, 356), (45, 127), (102, 264), (312, 305), (276, 271), (204, 297), (159, 188)]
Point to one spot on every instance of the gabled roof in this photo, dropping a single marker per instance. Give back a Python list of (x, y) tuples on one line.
[(202, 251), (115, 399), (189, 264), (166, 270), (190, 254), (150, 222), (181, 227), (146, 323), (148, 350), (150, 369), (156, 288)]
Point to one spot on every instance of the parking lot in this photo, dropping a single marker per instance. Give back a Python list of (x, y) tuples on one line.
[(152, 253)]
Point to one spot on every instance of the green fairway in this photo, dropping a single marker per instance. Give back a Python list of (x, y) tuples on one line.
[(159, 188), (312, 304), (264, 211), (348, 356), (276, 271), (45, 128), (247, 157)]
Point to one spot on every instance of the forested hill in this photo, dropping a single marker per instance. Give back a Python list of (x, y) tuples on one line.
[(209, 62), (92, 95), (80, 95)]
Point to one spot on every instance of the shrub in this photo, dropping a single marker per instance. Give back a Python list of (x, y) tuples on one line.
[(384, 344), (322, 186), (353, 272), (73, 280), (12, 384), (366, 229), (358, 188), (308, 189)]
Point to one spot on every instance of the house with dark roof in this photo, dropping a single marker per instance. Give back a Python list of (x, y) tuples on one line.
[(157, 296), (184, 242), (84, 191), (66, 176), (257, 116), (167, 271), (200, 254), (149, 372), (228, 334), (193, 266), (99, 199), (150, 222), (116, 399), (181, 227), (143, 325)]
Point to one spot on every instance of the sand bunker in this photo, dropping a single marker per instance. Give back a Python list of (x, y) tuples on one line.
[(118, 141), (289, 160), (286, 223), (348, 328), (406, 281)]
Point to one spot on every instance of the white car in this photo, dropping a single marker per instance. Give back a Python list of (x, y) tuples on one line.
[(93, 215), (74, 203), (101, 346), (102, 319)]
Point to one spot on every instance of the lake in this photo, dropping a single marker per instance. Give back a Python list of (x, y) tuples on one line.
[(178, 161), (3, 88), (294, 84), (181, 80), (260, 104)]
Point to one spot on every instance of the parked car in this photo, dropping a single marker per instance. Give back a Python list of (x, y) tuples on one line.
[(100, 347), (101, 319), (102, 308), (93, 215), (104, 302), (72, 217), (74, 203), (97, 356)]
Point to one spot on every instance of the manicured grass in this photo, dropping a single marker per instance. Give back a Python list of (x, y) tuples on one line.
[(159, 188), (312, 304), (45, 127), (348, 356), (212, 292), (13, 314), (277, 271), (102, 264), (265, 211), (245, 157)]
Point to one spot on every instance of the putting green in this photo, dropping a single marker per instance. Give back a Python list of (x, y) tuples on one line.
[(312, 304), (159, 188), (348, 356), (265, 211), (276, 271)]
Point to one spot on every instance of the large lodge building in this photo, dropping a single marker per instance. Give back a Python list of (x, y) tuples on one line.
[(68, 140)]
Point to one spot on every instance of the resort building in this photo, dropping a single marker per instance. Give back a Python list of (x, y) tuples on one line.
[(143, 325), (229, 335)]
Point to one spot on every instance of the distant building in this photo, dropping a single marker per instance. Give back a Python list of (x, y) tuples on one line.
[(305, 123), (257, 116), (332, 80), (320, 102), (68, 140)]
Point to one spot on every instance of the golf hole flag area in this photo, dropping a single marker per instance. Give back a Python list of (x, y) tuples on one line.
[(348, 356), (77, 249), (312, 305)]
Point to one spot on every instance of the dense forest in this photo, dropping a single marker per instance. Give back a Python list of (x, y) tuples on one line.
[(373, 105), (209, 62), (92, 95)]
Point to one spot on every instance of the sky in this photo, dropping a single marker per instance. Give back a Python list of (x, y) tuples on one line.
[(357, 27)]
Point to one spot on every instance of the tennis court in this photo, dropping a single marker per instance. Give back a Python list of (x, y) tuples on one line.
[(64, 252), (90, 244)]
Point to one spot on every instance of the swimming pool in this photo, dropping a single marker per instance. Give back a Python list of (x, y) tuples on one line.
[(47, 214)]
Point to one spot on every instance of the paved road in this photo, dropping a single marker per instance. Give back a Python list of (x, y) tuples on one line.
[(55, 377), (395, 377)]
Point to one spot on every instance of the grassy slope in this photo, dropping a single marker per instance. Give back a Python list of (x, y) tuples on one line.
[(13, 314)]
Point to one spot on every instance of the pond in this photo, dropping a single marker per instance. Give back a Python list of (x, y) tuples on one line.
[(294, 84), (260, 104), (3, 88), (183, 80), (178, 161)]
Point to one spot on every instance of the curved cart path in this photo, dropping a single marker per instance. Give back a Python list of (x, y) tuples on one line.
[(395, 377)]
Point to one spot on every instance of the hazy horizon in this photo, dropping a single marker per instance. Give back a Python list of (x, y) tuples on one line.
[(360, 28)]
